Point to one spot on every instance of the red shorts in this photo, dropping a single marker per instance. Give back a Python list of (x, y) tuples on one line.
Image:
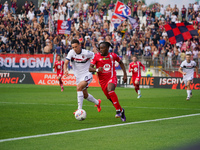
[(136, 78), (104, 86), (59, 74)]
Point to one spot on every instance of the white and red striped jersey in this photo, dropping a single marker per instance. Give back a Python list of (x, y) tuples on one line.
[(135, 68), (188, 68), (80, 62)]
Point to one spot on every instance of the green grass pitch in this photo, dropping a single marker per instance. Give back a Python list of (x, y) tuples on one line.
[(27, 110)]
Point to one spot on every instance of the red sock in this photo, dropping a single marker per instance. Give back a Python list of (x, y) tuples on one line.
[(137, 88), (115, 101), (60, 82)]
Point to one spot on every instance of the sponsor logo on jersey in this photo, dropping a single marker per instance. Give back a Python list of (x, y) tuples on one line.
[(106, 67)]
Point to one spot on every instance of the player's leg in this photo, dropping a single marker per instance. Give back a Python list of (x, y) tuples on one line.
[(80, 96), (60, 81), (188, 89), (90, 98), (120, 112), (113, 96), (137, 87)]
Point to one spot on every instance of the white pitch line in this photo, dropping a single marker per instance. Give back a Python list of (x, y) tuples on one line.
[(95, 128), (22, 103)]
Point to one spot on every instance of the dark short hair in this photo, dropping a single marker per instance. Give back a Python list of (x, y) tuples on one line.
[(134, 56), (107, 44), (74, 41)]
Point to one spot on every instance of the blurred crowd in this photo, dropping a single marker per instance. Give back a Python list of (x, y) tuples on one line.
[(29, 31)]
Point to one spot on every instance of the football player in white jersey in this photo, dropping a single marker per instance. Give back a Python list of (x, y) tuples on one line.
[(187, 69), (80, 60)]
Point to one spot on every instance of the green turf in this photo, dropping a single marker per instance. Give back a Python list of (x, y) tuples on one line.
[(32, 109)]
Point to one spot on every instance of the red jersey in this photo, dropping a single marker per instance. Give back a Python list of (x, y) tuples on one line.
[(135, 7), (136, 68), (59, 66), (108, 65)]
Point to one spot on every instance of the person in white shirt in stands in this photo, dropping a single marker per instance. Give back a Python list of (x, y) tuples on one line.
[(85, 6), (169, 59), (162, 10), (44, 3), (196, 7), (42, 8), (173, 18), (30, 15), (56, 16), (187, 69)]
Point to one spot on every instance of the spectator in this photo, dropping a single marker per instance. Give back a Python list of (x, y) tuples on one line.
[(183, 12), (196, 7), (5, 7), (155, 57), (169, 58), (149, 73), (13, 6), (30, 15)]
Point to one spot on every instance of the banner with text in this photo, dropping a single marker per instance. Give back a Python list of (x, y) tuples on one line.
[(26, 62), (51, 79), (160, 82)]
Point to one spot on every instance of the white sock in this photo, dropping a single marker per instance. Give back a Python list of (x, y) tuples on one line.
[(80, 99), (92, 99), (139, 92), (188, 93)]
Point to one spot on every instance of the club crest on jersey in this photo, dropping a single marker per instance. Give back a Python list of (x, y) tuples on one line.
[(83, 56), (106, 67), (135, 69)]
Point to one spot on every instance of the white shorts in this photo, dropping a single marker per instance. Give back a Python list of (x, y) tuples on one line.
[(87, 77), (187, 79)]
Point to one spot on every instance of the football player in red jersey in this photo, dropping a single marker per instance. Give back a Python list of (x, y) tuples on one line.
[(135, 68), (105, 68), (58, 65)]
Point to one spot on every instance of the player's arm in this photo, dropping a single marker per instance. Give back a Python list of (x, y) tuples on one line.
[(54, 65), (92, 69), (130, 69), (197, 71), (143, 67), (124, 70), (65, 67), (180, 70)]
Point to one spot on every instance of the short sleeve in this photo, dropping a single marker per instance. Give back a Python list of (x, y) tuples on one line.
[(195, 64), (182, 64), (116, 57), (93, 61), (69, 55), (90, 54)]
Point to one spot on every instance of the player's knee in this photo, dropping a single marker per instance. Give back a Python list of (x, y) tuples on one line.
[(136, 82), (79, 88), (85, 95)]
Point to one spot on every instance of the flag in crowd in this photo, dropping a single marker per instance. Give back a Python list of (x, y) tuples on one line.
[(180, 32), (63, 27), (121, 13)]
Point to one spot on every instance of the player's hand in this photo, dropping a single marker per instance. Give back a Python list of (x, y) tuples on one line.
[(100, 69), (125, 78), (66, 73), (197, 76), (131, 70), (184, 73)]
